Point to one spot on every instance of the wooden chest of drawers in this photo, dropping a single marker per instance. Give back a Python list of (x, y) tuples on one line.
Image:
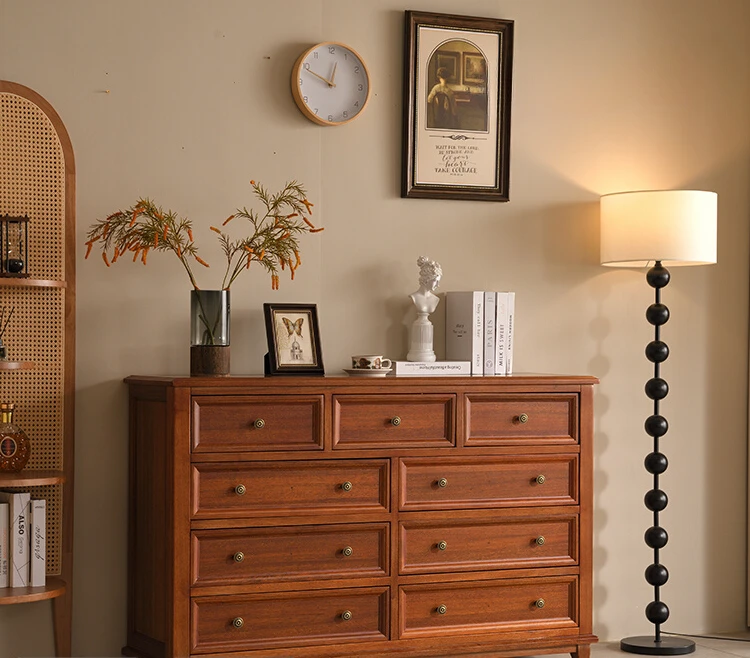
[(338, 517)]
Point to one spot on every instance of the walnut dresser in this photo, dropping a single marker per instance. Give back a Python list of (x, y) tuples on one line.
[(355, 517)]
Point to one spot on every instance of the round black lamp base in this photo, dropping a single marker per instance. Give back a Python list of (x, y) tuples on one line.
[(648, 646)]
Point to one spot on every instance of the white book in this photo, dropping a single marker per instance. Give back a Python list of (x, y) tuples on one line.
[(38, 576), (501, 332), (20, 507), (511, 324), (4, 543), (424, 368), (464, 328), (489, 333)]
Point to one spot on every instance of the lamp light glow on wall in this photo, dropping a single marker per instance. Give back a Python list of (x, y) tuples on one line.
[(664, 227)]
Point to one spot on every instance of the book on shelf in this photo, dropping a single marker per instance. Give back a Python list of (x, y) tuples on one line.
[(4, 543), (509, 340), (427, 368), (501, 332), (38, 569), (19, 513), (489, 333), (464, 328)]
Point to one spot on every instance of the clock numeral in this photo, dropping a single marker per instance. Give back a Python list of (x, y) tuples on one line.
[(356, 69), (330, 117), (346, 56), (304, 98), (307, 65), (360, 87), (356, 104), (315, 55), (346, 114), (332, 49), (300, 82), (316, 110)]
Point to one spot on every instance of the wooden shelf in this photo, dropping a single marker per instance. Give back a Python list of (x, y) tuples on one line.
[(31, 283), (31, 478), (11, 595), (17, 365)]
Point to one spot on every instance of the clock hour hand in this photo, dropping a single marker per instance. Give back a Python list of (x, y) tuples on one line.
[(328, 82), (333, 75)]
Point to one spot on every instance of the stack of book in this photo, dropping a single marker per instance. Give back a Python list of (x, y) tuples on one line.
[(23, 529), (479, 329)]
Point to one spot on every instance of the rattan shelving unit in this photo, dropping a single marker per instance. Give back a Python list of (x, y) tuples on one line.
[(37, 179)]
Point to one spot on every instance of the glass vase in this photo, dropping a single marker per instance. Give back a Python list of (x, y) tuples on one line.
[(209, 332), (14, 444)]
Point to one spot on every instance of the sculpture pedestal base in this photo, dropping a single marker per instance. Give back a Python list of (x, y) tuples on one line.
[(668, 646), (420, 348)]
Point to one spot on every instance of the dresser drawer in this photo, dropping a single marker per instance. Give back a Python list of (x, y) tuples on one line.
[(406, 421), (289, 488), (256, 423), (493, 420), (544, 538), (488, 481), (267, 621), (487, 606), (257, 555)]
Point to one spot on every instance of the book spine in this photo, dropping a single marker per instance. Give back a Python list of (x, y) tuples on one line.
[(501, 332), (477, 341), (489, 333), (38, 569), (511, 323), (19, 539), (4, 543), (432, 368)]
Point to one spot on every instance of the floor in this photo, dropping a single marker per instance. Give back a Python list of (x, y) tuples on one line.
[(716, 646)]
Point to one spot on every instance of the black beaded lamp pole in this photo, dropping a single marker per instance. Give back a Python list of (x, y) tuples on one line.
[(678, 227), (655, 500)]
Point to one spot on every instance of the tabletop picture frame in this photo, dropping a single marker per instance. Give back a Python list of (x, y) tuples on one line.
[(293, 340), (456, 130)]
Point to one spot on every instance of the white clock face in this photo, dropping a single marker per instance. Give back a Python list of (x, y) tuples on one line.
[(330, 84)]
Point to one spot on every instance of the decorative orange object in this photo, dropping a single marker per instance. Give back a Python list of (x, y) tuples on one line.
[(14, 444)]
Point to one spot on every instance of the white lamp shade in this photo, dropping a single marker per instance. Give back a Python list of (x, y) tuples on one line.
[(676, 227)]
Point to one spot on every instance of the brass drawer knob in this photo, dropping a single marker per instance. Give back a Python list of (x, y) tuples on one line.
[(442, 545), (239, 556), (395, 421), (347, 486), (442, 609), (348, 551), (259, 424), (238, 622), (540, 540), (442, 483), (539, 603), (523, 418), (540, 479), (240, 490), (346, 615)]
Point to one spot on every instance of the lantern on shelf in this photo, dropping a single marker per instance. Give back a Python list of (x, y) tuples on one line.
[(14, 246)]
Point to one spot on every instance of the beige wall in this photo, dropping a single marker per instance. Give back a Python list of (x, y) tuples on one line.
[(608, 96)]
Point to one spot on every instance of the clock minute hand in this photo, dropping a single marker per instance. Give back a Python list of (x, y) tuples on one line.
[(328, 82), (333, 75)]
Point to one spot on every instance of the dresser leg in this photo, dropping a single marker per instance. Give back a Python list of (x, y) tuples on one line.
[(584, 651)]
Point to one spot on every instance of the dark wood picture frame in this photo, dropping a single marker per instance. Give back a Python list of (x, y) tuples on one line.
[(293, 340), (456, 133)]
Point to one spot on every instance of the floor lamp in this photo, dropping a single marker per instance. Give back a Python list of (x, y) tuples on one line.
[(665, 227)]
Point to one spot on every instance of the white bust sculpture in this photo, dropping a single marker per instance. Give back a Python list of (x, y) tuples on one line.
[(425, 301)]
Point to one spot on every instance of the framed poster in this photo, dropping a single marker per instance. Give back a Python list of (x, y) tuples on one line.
[(293, 339), (457, 100)]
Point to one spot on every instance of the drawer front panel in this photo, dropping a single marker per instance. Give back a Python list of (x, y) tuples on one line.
[(407, 421), (267, 621), (489, 481), (269, 488), (486, 606), (258, 555), (251, 424), (494, 420), (495, 542)]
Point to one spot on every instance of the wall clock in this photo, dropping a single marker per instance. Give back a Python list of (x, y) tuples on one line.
[(330, 84)]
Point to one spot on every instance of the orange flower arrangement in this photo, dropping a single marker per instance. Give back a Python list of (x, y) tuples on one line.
[(273, 241)]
